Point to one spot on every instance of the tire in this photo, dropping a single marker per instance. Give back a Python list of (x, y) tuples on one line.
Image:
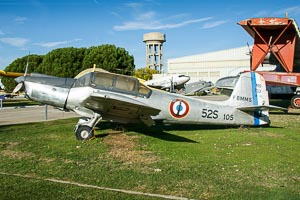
[(84, 133), (295, 102)]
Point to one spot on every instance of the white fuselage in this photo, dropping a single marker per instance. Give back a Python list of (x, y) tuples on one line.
[(168, 81)]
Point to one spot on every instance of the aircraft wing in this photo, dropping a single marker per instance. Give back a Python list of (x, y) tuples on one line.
[(120, 107), (10, 74)]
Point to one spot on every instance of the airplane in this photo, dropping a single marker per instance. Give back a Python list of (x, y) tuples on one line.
[(195, 87), (226, 84), (118, 98), (169, 82)]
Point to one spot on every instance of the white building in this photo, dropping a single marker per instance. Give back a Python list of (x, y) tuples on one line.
[(214, 65)]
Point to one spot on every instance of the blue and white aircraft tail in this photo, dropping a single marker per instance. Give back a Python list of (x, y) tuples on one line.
[(250, 95), (249, 91)]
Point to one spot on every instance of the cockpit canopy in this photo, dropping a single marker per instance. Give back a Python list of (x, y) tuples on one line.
[(113, 82)]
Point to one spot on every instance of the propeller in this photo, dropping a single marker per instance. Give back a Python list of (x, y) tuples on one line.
[(20, 80)]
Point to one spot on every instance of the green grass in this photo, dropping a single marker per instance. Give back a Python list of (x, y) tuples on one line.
[(200, 162)]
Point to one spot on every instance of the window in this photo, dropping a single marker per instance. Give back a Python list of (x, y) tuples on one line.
[(85, 80), (144, 91), (125, 83), (114, 82), (103, 79)]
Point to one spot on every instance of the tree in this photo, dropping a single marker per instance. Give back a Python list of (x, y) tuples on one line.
[(145, 73), (63, 62), (110, 58), (68, 62)]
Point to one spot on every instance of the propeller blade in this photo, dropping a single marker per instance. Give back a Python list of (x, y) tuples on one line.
[(26, 69), (18, 87)]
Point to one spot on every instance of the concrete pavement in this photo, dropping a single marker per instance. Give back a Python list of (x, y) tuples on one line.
[(32, 114)]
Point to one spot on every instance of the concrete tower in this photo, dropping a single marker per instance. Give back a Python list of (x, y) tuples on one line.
[(154, 42)]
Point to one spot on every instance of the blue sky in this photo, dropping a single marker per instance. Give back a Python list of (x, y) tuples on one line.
[(191, 26)]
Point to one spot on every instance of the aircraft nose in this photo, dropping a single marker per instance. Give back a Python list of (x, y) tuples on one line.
[(20, 79)]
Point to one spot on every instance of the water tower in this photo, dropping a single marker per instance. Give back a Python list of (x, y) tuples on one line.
[(154, 42)]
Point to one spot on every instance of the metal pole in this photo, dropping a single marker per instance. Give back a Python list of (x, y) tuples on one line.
[(46, 112)]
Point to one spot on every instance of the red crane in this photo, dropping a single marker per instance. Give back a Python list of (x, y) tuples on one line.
[(276, 41)]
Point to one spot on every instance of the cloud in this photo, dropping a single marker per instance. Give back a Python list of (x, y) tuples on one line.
[(213, 24), (147, 23), (97, 2), (1, 32), (291, 10), (134, 5), (55, 44), (143, 19), (146, 16), (14, 41), (20, 20)]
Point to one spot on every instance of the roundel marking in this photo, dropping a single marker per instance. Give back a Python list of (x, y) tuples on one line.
[(179, 108)]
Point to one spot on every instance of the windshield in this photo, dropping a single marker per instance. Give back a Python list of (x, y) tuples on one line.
[(114, 82), (83, 81)]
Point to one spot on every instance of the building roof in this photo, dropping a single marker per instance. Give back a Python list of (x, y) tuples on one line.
[(239, 53)]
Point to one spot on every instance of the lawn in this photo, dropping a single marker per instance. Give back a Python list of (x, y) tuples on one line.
[(45, 161)]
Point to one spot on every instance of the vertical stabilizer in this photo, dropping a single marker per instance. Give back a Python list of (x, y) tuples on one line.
[(249, 91), (250, 96)]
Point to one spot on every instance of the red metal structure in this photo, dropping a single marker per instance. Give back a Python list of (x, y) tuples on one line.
[(276, 41)]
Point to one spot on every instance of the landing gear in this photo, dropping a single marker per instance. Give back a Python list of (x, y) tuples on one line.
[(295, 101), (84, 128), (84, 133)]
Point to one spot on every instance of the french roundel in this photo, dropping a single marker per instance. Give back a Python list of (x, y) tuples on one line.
[(179, 108)]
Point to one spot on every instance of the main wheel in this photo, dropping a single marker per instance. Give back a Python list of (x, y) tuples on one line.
[(295, 102), (84, 133)]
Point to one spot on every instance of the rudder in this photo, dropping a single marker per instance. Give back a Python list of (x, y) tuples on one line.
[(250, 90)]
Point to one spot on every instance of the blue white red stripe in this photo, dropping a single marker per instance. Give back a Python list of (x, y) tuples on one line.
[(255, 99)]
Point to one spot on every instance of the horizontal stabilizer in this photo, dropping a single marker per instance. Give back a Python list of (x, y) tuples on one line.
[(261, 107)]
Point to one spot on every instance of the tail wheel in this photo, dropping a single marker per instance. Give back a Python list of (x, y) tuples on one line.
[(295, 101), (84, 133)]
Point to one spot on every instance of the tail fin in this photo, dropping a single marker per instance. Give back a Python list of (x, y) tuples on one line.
[(250, 95), (249, 91)]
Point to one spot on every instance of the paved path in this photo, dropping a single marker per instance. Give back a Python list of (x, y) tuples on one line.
[(31, 114)]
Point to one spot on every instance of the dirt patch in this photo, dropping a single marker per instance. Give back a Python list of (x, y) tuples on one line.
[(127, 149), (274, 135), (16, 154), (47, 160), (9, 145), (286, 119), (266, 133), (13, 154)]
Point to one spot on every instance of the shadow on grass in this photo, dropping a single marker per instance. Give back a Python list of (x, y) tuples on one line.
[(160, 130), (157, 131)]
